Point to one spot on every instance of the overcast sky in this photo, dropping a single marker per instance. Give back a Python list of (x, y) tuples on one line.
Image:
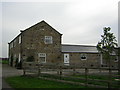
[(80, 21)]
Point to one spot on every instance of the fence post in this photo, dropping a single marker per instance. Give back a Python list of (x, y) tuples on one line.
[(60, 71), (100, 70), (39, 70), (109, 82), (74, 70), (24, 73), (86, 76)]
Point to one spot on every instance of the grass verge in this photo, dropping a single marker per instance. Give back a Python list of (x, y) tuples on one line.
[(32, 82), (100, 80)]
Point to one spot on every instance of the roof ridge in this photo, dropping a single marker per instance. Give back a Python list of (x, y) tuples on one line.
[(78, 45)]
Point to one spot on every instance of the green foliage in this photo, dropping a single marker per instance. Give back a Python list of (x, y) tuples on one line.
[(5, 61), (30, 59), (107, 44)]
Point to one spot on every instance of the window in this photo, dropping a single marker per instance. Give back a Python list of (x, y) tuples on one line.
[(19, 39), (14, 42), (42, 57), (48, 40), (116, 59), (11, 45), (83, 57), (14, 57), (19, 58)]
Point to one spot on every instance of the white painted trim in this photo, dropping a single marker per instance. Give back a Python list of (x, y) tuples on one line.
[(19, 39), (19, 57), (41, 55), (48, 38), (66, 59)]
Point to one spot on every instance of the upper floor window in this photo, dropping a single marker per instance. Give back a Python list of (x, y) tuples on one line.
[(83, 57), (48, 40), (14, 42), (19, 39), (11, 45)]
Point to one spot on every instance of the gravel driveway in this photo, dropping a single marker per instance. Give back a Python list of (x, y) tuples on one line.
[(8, 71)]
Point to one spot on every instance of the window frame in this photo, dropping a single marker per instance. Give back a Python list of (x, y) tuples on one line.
[(41, 55), (19, 57), (48, 39), (19, 41), (83, 54)]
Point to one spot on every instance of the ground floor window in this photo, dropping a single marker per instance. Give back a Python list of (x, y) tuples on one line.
[(83, 56), (116, 59), (14, 57), (42, 57)]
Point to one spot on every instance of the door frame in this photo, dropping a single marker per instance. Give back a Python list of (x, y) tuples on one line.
[(68, 59)]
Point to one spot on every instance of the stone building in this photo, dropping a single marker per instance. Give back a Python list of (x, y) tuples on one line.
[(81, 54), (41, 43)]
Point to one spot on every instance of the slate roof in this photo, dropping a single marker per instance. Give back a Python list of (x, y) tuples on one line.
[(79, 48)]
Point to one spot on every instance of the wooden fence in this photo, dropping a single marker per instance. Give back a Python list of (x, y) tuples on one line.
[(71, 73)]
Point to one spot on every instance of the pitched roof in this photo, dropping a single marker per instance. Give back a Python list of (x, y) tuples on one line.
[(31, 27), (41, 23), (79, 48)]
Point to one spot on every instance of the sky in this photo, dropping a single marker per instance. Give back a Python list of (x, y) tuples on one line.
[(80, 21)]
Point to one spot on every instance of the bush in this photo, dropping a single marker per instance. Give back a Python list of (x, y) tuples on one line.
[(19, 65), (16, 62), (30, 59)]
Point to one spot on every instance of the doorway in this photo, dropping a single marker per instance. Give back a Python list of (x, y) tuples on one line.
[(66, 59)]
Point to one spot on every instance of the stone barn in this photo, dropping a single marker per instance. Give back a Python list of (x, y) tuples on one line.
[(81, 54), (41, 43)]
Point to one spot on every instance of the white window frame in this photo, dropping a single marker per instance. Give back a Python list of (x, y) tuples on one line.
[(66, 59), (19, 39), (48, 40), (83, 54), (19, 57), (42, 55)]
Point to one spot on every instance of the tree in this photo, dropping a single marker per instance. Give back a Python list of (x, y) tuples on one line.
[(107, 44)]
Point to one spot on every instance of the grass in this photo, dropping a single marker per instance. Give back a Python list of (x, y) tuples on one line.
[(32, 82), (4, 61), (81, 79)]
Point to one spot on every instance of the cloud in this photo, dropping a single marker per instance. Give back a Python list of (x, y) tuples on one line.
[(80, 21)]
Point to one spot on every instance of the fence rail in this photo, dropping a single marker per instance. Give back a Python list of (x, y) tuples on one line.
[(70, 73)]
